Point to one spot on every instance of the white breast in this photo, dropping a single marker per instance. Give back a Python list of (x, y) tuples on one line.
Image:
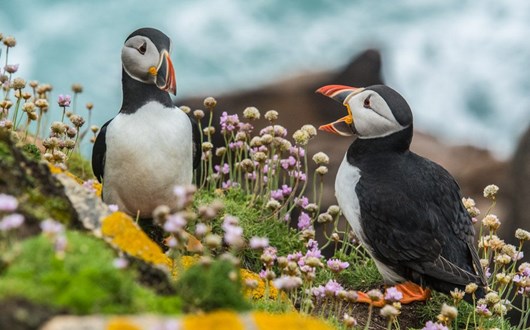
[(347, 178), (148, 153)]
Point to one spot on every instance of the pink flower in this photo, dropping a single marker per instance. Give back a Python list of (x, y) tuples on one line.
[(304, 221), (11, 68), (434, 326), (89, 185), (64, 100), (11, 221), (120, 263), (229, 123), (258, 242), (392, 294), (113, 207), (287, 283), (319, 292), (277, 194), (302, 201), (174, 223), (288, 163), (225, 169), (8, 203), (336, 266), (201, 229), (332, 288), (51, 227)]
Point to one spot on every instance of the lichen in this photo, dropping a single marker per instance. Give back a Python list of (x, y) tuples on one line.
[(123, 233)]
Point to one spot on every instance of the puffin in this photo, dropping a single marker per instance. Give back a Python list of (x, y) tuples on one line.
[(150, 146), (406, 210)]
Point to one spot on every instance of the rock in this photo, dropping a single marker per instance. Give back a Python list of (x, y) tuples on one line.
[(39, 193)]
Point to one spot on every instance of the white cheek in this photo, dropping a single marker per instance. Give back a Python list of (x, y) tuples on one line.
[(369, 124), (137, 65)]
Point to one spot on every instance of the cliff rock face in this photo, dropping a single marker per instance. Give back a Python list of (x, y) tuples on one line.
[(520, 178)]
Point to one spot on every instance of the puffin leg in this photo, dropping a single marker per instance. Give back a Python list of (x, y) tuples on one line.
[(363, 298), (412, 292)]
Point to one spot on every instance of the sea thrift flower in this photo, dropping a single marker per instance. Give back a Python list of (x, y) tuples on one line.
[(259, 242), (8, 203), (491, 221), (389, 312), (64, 100), (251, 113), (287, 283), (229, 123), (321, 158), (349, 321), (11, 221), (18, 83), (210, 102), (271, 115), (89, 185), (11, 68), (375, 295), (336, 266), (120, 263), (10, 41), (51, 227), (491, 191), (482, 310), (304, 221), (174, 223), (434, 326), (301, 137), (392, 294), (322, 170), (522, 234), (310, 130), (201, 229), (113, 207), (332, 288)]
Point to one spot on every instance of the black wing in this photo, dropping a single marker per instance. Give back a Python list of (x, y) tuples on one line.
[(421, 229), (98, 153), (196, 140)]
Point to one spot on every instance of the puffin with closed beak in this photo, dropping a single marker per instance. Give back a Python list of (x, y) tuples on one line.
[(406, 210), (151, 146)]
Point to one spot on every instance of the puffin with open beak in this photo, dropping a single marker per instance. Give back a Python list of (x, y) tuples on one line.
[(406, 210), (150, 146)]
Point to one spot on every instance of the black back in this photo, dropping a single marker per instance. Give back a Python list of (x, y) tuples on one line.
[(412, 215)]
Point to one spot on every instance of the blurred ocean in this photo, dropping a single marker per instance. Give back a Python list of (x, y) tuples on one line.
[(464, 66)]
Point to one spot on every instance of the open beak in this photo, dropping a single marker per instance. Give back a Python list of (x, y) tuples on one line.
[(340, 93), (165, 74)]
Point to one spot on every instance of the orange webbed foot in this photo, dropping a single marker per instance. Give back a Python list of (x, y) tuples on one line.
[(412, 292)]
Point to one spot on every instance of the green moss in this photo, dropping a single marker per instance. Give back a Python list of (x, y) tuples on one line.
[(79, 166), (42, 207), (277, 306), (211, 287), (254, 223), (84, 281), (31, 151)]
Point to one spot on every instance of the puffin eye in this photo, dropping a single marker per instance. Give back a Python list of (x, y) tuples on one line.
[(143, 48), (366, 103)]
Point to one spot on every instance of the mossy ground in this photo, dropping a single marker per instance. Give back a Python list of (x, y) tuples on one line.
[(83, 281)]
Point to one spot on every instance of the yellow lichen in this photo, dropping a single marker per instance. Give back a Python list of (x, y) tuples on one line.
[(259, 291), (220, 320), (121, 230), (57, 170), (121, 324), (290, 321)]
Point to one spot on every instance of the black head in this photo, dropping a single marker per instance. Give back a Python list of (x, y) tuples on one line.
[(373, 112), (145, 58)]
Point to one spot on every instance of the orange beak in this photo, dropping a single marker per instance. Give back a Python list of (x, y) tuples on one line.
[(340, 93), (165, 76)]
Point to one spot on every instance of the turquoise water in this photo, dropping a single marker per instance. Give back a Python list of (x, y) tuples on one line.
[(462, 65)]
